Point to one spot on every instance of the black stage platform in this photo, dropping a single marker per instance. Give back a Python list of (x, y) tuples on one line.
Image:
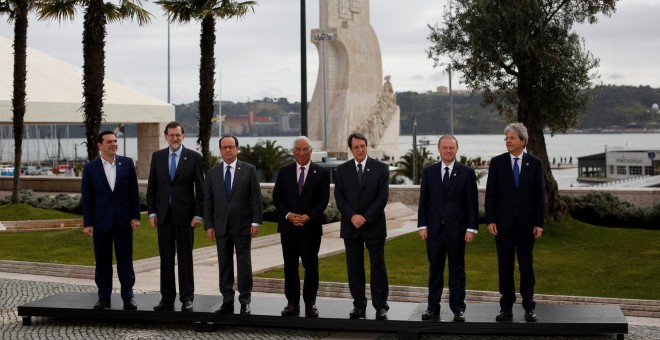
[(403, 317)]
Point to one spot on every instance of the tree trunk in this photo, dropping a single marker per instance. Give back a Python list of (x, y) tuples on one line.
[(18, 100), (206, 83), (93, 73), (555, 206)]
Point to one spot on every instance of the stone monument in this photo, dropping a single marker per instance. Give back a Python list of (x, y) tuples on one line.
[(350, 95)]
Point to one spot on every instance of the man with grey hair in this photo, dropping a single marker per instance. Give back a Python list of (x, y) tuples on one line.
[(301, 194), (515, 210)]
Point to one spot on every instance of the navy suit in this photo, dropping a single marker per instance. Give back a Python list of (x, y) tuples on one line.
[(231, 217), (175, 203), (110, 213), (515, 211), (368, 198), (447, 210), (301, 242)]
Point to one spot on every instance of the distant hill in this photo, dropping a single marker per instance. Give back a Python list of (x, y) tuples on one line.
[(614, 107)]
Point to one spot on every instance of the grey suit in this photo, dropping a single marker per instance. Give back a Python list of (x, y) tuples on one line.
[(175, 203), (231, 217)]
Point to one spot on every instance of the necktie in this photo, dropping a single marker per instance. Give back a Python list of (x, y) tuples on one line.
[(172, 166), (359, 173), (228, 180), (516, 171), (301, 179), (445, 178)]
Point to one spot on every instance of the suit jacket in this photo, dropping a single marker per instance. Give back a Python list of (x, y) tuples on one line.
[(101, 204), (367, 198), (243, 204), (448, 212), (503, 199), (312, 201), (186, 190)]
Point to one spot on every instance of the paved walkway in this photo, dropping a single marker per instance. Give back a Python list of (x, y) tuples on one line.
[(18, 288)]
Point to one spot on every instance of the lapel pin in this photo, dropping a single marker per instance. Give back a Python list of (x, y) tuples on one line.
[(368, 169), (119, 163), (314, 171), (454, 174), (526, 164), (185, 158)]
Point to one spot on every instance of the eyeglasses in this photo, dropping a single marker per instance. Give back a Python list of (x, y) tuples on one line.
[(510, 138), (228, 147), (303, 150), (359, 147)]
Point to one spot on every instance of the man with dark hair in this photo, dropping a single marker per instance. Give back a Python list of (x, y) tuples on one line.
[(233, 213), (515, 211), (361, 193), (301, 194), (175, 200), (111, 211), (447, 219)]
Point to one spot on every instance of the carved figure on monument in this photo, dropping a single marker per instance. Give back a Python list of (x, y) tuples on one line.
[(349, 94)]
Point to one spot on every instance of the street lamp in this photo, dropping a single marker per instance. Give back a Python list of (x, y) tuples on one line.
[(414, 155), (324, 37), (451, 100)]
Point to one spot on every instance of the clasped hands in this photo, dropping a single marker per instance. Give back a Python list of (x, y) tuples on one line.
[(298, 220)]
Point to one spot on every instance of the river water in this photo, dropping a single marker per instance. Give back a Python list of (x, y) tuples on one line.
[(568, 147)]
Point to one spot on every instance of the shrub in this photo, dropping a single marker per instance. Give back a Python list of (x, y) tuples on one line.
[(605, 209)]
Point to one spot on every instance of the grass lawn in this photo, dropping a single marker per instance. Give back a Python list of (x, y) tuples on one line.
[(72, 246), (572, 258)]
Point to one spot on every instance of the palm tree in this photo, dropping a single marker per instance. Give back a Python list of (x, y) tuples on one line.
[(18, 13), (206, 11), (424, 158), (271, 158), (97, 15)]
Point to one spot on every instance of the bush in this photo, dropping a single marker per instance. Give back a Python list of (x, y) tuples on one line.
[(605, 209)]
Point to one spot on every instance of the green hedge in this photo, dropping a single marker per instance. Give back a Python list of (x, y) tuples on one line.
[(605, 209)]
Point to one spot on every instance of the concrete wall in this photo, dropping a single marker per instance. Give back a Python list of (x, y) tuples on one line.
[(406, 194)]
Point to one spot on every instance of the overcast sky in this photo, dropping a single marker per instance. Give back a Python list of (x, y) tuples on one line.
[(259, 56)]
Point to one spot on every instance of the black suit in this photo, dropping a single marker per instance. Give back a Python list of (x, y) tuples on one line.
[(368, 198), (515, 211), (110, 212), (447, 210), (175, 203), (231, 217), (301, 242)]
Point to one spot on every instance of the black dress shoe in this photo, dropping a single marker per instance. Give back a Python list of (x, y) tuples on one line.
[(130, 304), (291, 310), (102, 304), (226, 308), (430, 315), (530, 316), (245, 309), (459, 317), (164, 306), (381, 313), (357, 313), (504, 315), (311, 311), (187, 306)]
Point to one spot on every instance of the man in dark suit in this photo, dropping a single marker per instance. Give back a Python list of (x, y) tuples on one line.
[(447, 219), (175, 200), (515, 210), (111, 211), (301, 194), (233, 213), (361, 193)]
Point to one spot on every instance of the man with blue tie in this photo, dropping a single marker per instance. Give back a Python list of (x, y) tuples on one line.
[(232, 215), (447, 220), (301, 194), (175, 200), (111, 211), (361, 193), (515, 211)]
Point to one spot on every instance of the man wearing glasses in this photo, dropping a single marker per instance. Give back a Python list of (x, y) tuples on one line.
[(233, 213), (301, 194), (515, 209), (361, 193)]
